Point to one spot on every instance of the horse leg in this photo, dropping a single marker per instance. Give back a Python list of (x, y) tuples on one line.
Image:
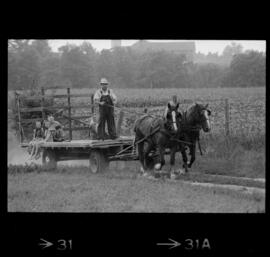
[(146, 151), (172, 160), (193, 153), (161, 152), (141, 157), (184, 158)]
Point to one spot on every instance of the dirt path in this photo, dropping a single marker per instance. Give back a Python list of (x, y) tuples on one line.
[(118, 191)]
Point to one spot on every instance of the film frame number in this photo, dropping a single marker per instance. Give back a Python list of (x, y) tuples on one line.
[(190, 244), (63, 244)]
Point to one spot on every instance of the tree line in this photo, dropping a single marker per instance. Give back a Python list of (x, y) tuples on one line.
[(32, 64)]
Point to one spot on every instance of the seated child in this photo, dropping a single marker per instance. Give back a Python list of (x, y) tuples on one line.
[(58, 135), (55, 132), (52, 122), (38, 137), (46, 131)]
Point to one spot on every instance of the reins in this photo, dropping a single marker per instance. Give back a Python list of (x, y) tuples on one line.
[(127, 111)]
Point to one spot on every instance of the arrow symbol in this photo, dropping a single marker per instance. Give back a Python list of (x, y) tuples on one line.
[(45, 243), (173, 244)]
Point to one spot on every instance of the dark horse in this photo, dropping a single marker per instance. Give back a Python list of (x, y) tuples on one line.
[(155, 134), (195, 118)]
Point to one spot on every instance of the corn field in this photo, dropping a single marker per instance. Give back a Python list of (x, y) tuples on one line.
[(246, 106)]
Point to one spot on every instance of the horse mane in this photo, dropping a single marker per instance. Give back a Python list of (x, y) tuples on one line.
[(189, 110)]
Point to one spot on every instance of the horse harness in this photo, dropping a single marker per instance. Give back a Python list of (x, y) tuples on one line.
[(186, 129), (172, 136)]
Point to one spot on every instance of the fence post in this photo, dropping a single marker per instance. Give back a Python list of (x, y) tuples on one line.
[(227, 117), (17, 102), (69, 114), (42, 103)]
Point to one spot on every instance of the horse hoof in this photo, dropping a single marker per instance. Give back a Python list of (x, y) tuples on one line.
[(181, 171), (150, 176), (142, 170), (158, 166), (145, 174), (172, 176)]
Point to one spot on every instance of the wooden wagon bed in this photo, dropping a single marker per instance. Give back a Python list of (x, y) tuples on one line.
[(123, 140)]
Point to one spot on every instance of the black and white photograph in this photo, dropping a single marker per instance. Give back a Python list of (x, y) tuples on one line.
[(136, 126)]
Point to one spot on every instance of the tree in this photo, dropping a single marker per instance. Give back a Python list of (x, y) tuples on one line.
[(82, 66), (246, 70), (105, 66), (232, 49), (23, 65), (42, 47), (124, 63), (76, 67), (50, 76), (18, 46)]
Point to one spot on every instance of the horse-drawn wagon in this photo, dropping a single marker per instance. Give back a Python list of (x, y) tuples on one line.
[(99, 152)]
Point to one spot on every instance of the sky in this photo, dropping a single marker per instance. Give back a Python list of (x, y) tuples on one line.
[(203, 46)]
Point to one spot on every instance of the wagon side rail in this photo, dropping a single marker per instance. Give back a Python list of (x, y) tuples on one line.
[(56, 110)]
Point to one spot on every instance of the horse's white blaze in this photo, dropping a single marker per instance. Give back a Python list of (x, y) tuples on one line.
[(174, 120), (207, 119)]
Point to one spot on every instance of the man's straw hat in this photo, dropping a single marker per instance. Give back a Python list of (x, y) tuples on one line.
[(104, 81)]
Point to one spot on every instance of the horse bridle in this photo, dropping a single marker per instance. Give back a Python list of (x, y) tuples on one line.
[(171, 122)]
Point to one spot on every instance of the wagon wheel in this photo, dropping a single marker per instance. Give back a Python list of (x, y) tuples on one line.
[(49, 159), (98, 162)]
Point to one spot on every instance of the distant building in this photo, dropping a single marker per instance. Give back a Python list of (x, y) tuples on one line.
[(115, 43), (184, 48)]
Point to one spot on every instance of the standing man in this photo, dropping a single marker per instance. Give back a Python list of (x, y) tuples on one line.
[(106, 100)]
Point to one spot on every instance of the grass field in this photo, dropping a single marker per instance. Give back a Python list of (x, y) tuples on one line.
[(118, 190)]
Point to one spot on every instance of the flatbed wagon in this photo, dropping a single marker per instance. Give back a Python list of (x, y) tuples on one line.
[(99, 152)]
